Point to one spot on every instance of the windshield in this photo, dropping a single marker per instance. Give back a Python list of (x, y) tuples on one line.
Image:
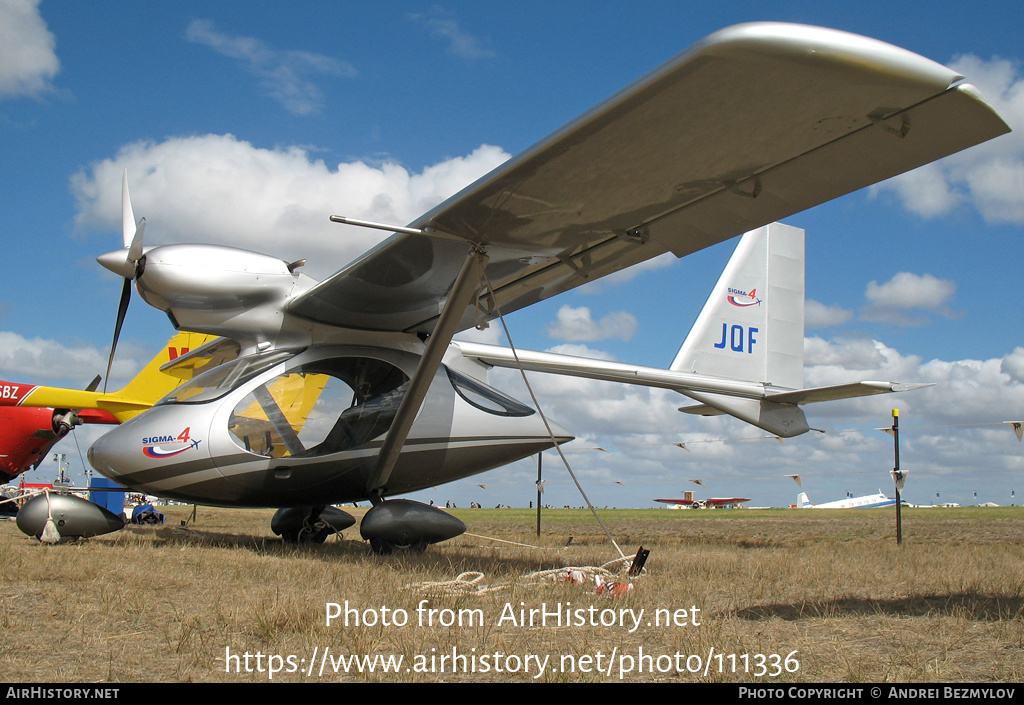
[(222, 379)]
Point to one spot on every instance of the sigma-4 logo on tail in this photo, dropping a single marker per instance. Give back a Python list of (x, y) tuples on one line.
[(742, 298), (160, 447)]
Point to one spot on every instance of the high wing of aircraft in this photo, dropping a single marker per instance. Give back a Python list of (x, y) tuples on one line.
[(870, 501), (752, 124), (34, 418)]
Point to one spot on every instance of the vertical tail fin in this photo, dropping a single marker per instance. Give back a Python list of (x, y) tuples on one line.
[(142, 392), (752, 326), (752, 329), (802, 501), (151, 384)]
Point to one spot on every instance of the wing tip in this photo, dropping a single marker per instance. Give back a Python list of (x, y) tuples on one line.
[(834, 45)]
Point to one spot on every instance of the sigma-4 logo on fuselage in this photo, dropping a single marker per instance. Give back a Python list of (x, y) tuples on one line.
[(168, 446)]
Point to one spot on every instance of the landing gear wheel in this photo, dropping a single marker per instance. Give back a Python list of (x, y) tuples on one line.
[(382, 547), (307, 536), (386, 548)]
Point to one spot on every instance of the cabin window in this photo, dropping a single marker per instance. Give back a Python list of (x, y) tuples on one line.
[(319, 408), (484, 397)]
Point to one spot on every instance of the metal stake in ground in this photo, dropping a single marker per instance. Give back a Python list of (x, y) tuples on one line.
[(540, 485), (898, 477)]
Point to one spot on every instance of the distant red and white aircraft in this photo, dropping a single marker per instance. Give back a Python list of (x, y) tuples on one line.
[(712, 503)]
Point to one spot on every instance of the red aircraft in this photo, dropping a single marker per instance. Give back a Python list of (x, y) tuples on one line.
[(713, 503), (28, 433)]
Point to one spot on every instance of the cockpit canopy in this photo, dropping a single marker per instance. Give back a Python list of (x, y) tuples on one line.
[(217, 382), (322, 406)]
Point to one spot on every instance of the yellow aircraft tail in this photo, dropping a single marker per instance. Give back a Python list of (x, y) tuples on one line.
[(138, 395), (151, 384)]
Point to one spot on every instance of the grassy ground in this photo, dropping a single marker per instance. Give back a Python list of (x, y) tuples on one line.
[(760, 596)]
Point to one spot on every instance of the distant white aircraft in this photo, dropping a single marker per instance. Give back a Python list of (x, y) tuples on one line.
[(870, 501)]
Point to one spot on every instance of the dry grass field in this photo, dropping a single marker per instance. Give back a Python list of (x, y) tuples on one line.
[(756, 596)]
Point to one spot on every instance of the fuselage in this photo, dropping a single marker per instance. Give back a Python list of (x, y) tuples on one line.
[(304, 427), (27, 433), (25, 436), (872, 501)]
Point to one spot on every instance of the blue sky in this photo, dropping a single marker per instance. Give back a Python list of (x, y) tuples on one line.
[(268, 118)]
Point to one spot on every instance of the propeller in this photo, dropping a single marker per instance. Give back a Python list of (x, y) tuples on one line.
[(62, 423), (124, 262)]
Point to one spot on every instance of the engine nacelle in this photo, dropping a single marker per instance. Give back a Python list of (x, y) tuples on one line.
[(209, 277), (218, 290)]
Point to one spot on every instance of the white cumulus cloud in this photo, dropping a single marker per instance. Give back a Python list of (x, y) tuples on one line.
[(905, 292), (28, 60), (41, 360), (1013, 365), (218, 189), (577, 325), (819, 315)]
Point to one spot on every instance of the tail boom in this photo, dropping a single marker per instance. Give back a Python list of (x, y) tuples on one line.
[(744, 355)]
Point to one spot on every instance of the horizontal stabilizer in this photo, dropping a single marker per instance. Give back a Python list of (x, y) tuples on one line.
[(783, 420), (571, 365), (841, 391), (808, 396)]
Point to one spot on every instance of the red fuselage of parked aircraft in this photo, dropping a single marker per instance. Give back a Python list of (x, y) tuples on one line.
[(28, 433)]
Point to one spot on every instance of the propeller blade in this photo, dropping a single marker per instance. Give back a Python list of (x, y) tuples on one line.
[(94, 384), (127, 216), (122, 309), (130, 230), (135, 248)]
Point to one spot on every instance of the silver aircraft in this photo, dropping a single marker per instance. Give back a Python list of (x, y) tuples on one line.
[(351, 388)]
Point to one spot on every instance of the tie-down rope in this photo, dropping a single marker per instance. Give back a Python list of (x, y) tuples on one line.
[(544, 418)]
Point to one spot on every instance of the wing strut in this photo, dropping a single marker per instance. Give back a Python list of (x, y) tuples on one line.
[(429, 232), (462, 293)]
